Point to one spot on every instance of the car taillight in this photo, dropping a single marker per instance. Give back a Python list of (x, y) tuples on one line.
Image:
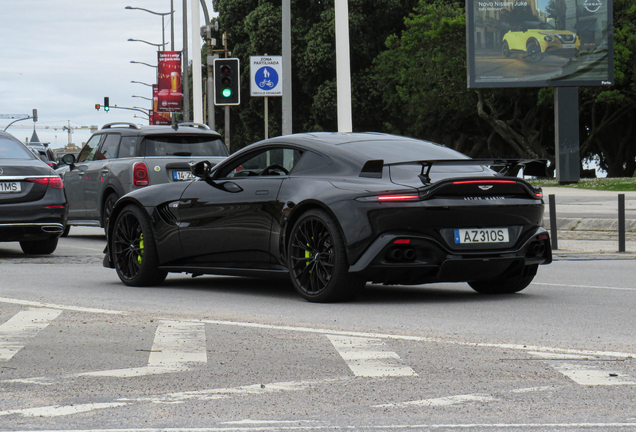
[(461, 182), (388, 198), (140, 174), (54, 182)]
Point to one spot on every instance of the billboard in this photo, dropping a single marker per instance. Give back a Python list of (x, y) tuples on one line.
[(170, 96), (156, 117), (539, 43)]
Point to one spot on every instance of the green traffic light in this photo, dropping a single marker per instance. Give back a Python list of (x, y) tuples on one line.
[(227, 92)]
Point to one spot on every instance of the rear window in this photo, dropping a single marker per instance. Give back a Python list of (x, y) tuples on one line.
[(183, 145), (10, 149), (402, 150)]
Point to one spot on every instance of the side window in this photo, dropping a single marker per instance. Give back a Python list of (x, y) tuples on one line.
[(109, 147), (270, 162), (88, 151), (128, 147)]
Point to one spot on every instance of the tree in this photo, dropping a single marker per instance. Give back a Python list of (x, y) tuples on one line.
[(254, 28)]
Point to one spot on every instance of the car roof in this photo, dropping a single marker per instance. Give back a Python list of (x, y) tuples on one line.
[(134, 129), (353, 145)]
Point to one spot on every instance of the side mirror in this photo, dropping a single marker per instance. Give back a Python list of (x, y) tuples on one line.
[(69, 159), (201, 169)]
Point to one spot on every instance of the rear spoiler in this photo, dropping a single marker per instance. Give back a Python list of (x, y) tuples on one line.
[(508, 167)]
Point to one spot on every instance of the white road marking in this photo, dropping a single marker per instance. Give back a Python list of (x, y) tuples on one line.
[(57, 410), (458, 399), (367, 358), (579, 370), (178, 347), (383, 427), (421, 339), (224, 393), (55, 306), (21, 327), (585, 286)]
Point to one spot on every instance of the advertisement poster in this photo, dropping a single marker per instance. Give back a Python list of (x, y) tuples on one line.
[(548, 43), (156, 117), (170, 96)]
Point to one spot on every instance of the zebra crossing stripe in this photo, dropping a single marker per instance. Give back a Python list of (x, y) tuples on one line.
[(583, 371), (366, 357), (21, 327), (178, 346)]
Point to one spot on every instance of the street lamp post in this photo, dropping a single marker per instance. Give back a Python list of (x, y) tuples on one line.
[(139, 82), (149, 43), (163, 33), (142, 97), (147, 64)]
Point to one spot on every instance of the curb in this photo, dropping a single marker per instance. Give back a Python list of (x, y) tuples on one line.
[(589, 224)]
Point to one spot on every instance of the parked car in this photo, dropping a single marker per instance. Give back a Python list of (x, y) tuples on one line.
[(32, 202), (535, 40), (333, 211), (122, 157), (45, 153)]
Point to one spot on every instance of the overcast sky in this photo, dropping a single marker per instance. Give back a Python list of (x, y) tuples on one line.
[(63, 56)]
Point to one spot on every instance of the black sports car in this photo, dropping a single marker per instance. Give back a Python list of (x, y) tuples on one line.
[(32, 202), (334, 211)]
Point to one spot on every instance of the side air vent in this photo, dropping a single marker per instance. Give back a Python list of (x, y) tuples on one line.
[(166, 214)]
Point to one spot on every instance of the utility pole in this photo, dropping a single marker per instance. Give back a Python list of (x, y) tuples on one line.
[(186, 78), (343, 66), (287, 73)]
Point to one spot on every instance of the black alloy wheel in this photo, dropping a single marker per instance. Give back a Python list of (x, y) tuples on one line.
[(533, 51), (109, 203), (317, 260), (134, 249), (505, 49)]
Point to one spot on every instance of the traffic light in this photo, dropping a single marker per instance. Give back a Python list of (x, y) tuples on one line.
[(106, 104), (97, 107), (227, 89)]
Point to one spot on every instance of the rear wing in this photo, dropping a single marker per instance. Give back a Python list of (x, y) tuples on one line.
[(508, 167)]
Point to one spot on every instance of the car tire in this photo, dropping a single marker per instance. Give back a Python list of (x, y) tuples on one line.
[(107, 208), (134, 250), (533, 51), (505, 50), (505, 286), (317, 260), (40, 247)]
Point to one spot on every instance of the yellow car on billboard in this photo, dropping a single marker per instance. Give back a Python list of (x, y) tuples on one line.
[(535, 40)]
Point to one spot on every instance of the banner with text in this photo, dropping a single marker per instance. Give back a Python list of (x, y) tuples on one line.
[(170, 96)]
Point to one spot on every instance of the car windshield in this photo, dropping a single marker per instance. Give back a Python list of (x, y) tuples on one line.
[(10, 149), (184, 145)]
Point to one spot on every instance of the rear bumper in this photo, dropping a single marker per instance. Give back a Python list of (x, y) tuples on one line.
[(31, 222), (426, 260), (30, 231)]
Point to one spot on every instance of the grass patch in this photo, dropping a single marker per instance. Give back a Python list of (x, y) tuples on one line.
[(605, 184)]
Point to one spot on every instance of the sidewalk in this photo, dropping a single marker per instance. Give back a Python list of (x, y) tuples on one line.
[(594, 229)]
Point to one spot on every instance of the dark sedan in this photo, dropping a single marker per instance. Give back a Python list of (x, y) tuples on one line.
[(32, 201), (334, 211)]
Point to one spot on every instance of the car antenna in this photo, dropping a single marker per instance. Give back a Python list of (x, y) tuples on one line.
[(175, 125)]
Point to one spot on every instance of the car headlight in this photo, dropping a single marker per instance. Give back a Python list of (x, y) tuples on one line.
[(548, 38)]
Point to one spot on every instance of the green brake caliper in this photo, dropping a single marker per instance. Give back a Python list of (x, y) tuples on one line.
[(308, 255), (141, 248)]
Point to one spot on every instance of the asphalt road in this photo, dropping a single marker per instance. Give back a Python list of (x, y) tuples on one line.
[(81, 351)]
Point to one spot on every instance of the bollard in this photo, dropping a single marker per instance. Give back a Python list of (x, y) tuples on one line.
[(553, 223), (621, 222)]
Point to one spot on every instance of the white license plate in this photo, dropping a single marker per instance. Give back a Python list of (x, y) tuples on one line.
[(568, 45), (182, 175), (10, 187), (481, 235)]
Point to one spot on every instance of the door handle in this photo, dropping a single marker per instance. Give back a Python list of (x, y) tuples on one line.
[(262, 192)]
